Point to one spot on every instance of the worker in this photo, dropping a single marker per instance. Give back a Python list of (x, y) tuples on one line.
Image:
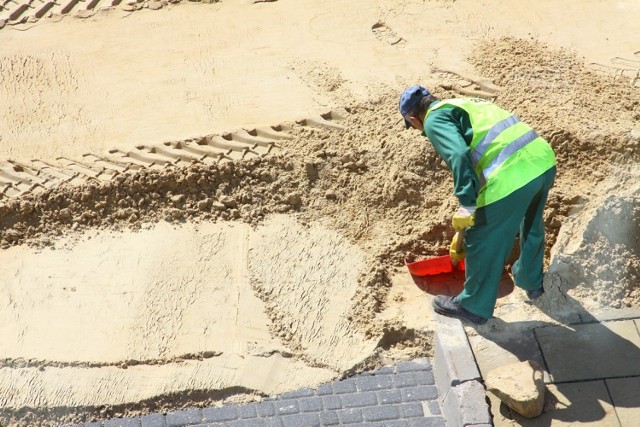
[(502, 173)]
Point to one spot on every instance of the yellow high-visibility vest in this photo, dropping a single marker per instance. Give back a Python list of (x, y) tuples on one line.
[(506, 153)]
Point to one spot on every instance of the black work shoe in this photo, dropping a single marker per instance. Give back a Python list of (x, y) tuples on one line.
[(448, 306), (536, 293)]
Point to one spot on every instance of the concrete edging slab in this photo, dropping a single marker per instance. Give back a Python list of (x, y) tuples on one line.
[(458, 378)]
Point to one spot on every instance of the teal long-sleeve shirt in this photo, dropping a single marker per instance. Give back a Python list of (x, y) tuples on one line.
[(450, 133)]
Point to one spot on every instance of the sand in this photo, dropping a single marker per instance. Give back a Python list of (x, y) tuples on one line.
[(211, 202)]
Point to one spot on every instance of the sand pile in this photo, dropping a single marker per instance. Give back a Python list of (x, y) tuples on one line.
[(290, 265)]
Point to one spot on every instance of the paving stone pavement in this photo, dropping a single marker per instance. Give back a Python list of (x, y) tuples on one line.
[(591, 366), (402, 395)]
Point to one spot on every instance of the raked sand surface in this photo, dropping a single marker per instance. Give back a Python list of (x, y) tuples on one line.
[(144, 267)]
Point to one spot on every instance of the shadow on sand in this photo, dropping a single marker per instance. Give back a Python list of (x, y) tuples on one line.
[(452, 283)]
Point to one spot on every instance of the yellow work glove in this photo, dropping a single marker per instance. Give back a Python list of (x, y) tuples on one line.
[(464, 218), (456, 256)]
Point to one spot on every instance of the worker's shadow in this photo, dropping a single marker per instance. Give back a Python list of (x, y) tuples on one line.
[(587, 375), (452, 283)]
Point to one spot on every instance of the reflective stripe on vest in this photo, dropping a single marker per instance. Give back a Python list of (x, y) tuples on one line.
[(490, 136), (508, 151)]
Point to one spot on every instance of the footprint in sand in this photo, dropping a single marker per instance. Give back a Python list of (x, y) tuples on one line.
[(622, 67), (468, 85), (387, 35)]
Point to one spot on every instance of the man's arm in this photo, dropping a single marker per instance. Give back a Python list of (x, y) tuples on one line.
[(449, 129)]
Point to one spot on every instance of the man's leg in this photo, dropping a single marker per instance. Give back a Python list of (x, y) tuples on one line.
[(528, 269), (488, 245)]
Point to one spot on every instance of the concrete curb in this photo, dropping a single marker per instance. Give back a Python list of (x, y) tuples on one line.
[(457, 376)]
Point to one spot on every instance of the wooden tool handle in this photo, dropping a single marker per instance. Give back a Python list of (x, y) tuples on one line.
[(460, 241)]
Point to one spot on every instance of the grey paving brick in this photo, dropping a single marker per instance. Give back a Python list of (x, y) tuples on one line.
[(427, 422), (247, 411), (329, 418), (375, 382), (386, 397), (93, 424), (216, 415), (186, 417), (350, 416), (424, 378), (266, 409), (358, 400), (344, 386), (434, 407), (422, 364), (381, 413), (418, 422), (423, 392), (432, 422), (405, 380), (153, 420), (303, 392), (385, 370), (287, 407), (273, 422), (310, 404), (301, 420), (254, 422), (324, 389), (122, 422), (411, 410), (332, 402)]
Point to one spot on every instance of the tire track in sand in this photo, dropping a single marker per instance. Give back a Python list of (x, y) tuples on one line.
[(622, 67), (13, 12), (19, 177)]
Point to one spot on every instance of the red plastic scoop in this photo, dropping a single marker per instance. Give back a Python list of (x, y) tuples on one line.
[(433, 266), (438, 276)]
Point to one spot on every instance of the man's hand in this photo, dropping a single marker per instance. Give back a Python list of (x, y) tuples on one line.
[(455, 255), (464, 218)]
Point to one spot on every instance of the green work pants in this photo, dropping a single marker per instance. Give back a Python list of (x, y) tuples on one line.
[(489, 242)]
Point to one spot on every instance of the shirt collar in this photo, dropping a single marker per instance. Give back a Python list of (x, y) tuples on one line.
[(424, 124)]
